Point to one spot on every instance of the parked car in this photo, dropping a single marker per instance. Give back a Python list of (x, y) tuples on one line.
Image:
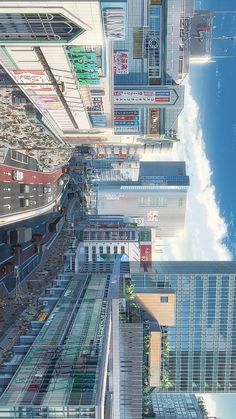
[(47, 189), (24, 188), (24, 202)]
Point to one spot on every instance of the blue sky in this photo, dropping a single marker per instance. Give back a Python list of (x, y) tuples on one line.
[(213, 88)]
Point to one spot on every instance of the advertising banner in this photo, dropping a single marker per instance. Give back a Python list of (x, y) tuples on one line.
[(47, 102), (121, 62), (41, 92), (38, 78), (144, 97)]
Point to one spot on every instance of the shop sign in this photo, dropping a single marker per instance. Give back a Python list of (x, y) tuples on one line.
[(140, 97)]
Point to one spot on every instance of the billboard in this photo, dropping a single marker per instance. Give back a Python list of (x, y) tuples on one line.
[(120, 62), (164, 96), (38, 78), (41, 91)]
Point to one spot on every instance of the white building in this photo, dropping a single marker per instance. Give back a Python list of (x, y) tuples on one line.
[(56, 52), (101, 240)]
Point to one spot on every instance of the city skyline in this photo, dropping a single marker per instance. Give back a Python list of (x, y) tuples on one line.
[(117, 209)]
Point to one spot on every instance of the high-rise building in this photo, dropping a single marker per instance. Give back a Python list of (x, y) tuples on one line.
[(199, 339), (157, 199)]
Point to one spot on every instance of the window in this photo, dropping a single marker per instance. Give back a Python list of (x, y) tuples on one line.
[(122, 249), (17, 156), (101, 250), (108, 249), (86, 253), (31, 27), (115, 249), (164, 299)]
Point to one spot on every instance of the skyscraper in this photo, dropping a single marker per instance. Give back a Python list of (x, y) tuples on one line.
[(199, 346)]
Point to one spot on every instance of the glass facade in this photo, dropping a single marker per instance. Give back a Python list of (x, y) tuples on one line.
[(176, 406), (37, 27), (202, 355)]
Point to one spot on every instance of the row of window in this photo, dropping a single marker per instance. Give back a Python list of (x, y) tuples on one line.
[(102, 250), (17, 156), (109, 235)]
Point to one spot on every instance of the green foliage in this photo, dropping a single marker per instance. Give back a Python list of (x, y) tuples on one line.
[(165, 345), (165, 381), (129, 291)]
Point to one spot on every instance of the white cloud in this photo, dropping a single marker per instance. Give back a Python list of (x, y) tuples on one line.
[(210, 404), (205, 228)]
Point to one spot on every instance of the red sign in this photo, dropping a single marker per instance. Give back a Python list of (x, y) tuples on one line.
[(146, 253)]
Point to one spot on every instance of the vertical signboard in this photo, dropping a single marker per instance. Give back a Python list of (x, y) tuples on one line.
[(121, 62), (145, 236), (154, 122), (146, 254), (114, 19)]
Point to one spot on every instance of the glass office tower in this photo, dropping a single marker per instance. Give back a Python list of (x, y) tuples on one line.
[(201, 355)]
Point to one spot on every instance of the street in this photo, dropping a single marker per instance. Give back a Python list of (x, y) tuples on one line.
[(12, 200), (15, 322)]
